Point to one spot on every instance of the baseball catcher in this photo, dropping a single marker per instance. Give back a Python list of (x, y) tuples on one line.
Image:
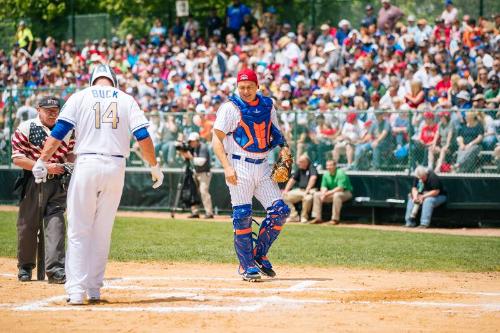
[(246, 130)]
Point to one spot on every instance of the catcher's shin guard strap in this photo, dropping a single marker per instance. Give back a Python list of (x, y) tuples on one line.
[(242, 222), (271, 227)]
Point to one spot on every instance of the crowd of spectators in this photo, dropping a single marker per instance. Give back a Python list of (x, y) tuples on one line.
[(338, 88)]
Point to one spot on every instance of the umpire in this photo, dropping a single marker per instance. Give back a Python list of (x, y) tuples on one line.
[(45, 201)]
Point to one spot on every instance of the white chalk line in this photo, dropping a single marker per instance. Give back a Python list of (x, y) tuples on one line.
[(8, 275), (275, 300), (259, 302), (301, 286), (43, 305)]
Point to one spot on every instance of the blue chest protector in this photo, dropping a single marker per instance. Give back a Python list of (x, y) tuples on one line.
[(255, 132)]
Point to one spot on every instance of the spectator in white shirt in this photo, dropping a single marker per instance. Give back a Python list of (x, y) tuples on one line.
[(450, 13), (351, 133)]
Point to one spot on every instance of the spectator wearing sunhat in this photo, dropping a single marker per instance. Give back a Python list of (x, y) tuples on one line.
[(343, 31), (325, 36), (463, 100), (423, 31), (411, 27)]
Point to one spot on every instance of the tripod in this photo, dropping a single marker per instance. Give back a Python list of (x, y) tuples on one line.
[(180, 186)]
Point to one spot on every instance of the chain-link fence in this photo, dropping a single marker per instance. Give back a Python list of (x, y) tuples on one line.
[(448, 141)]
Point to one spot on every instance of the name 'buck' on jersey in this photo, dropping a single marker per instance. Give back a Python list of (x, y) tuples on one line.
[(104, 118)]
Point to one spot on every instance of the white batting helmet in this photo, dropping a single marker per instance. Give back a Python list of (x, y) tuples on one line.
[(103, 71)]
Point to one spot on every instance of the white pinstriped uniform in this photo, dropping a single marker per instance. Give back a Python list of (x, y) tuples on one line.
[(253, 179), (104, 119)]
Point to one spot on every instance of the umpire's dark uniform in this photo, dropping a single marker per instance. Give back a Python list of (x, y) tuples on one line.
[(45, 200)]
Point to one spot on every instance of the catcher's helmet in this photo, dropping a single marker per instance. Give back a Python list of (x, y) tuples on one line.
[(103, 71)]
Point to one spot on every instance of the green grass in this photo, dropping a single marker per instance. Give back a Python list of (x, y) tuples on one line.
[(192, 241)]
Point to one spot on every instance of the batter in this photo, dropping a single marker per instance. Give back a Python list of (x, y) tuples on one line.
[(104, 118), (246, 130)]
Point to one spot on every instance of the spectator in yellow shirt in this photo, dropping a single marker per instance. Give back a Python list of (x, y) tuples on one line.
[(24, 37)]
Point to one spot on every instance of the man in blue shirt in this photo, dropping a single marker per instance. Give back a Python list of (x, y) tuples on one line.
[(234, 16)]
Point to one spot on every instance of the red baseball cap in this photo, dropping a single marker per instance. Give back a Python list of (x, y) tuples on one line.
[(428, 115), (247, 75)]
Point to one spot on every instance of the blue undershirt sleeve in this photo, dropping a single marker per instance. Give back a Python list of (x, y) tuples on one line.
[(141, 134), (61, 129)]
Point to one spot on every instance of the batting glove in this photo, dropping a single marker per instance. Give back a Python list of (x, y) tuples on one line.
[(40, 171), (156, 175)]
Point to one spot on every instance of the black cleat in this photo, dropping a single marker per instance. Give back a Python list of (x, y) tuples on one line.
[(57, 278), (24, 275), (193, 216), (265, 267)]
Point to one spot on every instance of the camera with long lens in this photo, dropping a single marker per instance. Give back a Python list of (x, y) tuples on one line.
[(182, 146)]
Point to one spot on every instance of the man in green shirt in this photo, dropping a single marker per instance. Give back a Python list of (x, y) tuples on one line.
[(335, 187)]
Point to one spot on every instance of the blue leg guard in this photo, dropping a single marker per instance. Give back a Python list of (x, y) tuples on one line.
[(243, 244), (270, 229)]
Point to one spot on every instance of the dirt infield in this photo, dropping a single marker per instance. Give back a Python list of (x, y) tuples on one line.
[(146, 297)]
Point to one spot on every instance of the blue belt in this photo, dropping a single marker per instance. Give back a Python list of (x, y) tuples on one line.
[(119, 156), (248, 159)]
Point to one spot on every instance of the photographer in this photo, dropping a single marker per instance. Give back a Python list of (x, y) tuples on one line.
[(199, 154), (427, 193)]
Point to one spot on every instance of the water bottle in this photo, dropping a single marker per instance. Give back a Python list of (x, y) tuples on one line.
[(216, 210)]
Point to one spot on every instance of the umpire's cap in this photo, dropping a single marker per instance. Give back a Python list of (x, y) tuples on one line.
[(103, 71), (49, 102)]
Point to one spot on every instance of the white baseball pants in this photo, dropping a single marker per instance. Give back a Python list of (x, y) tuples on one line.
[(93, 197), (253, 179)]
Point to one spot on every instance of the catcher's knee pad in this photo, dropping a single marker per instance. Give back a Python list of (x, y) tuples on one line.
[(278, 212), (242, 222), (271, 227)]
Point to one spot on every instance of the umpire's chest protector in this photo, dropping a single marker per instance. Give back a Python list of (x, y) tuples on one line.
[(253, 133)]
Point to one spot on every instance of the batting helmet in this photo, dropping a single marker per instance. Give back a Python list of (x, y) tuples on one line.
[(103, 71)]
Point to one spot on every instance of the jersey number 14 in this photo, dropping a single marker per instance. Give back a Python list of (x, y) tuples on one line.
[(109, 116)]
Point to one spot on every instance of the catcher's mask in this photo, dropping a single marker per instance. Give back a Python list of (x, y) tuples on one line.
[(103, 71)]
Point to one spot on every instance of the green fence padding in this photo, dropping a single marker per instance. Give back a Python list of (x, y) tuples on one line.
[(476, 197)]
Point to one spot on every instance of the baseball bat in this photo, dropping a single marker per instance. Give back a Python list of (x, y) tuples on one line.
[(40, 253)]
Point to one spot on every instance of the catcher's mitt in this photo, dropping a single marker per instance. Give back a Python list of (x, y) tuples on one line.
[(282, 168)]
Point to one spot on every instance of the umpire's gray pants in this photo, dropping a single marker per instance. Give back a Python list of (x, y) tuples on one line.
[(53, 206)]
